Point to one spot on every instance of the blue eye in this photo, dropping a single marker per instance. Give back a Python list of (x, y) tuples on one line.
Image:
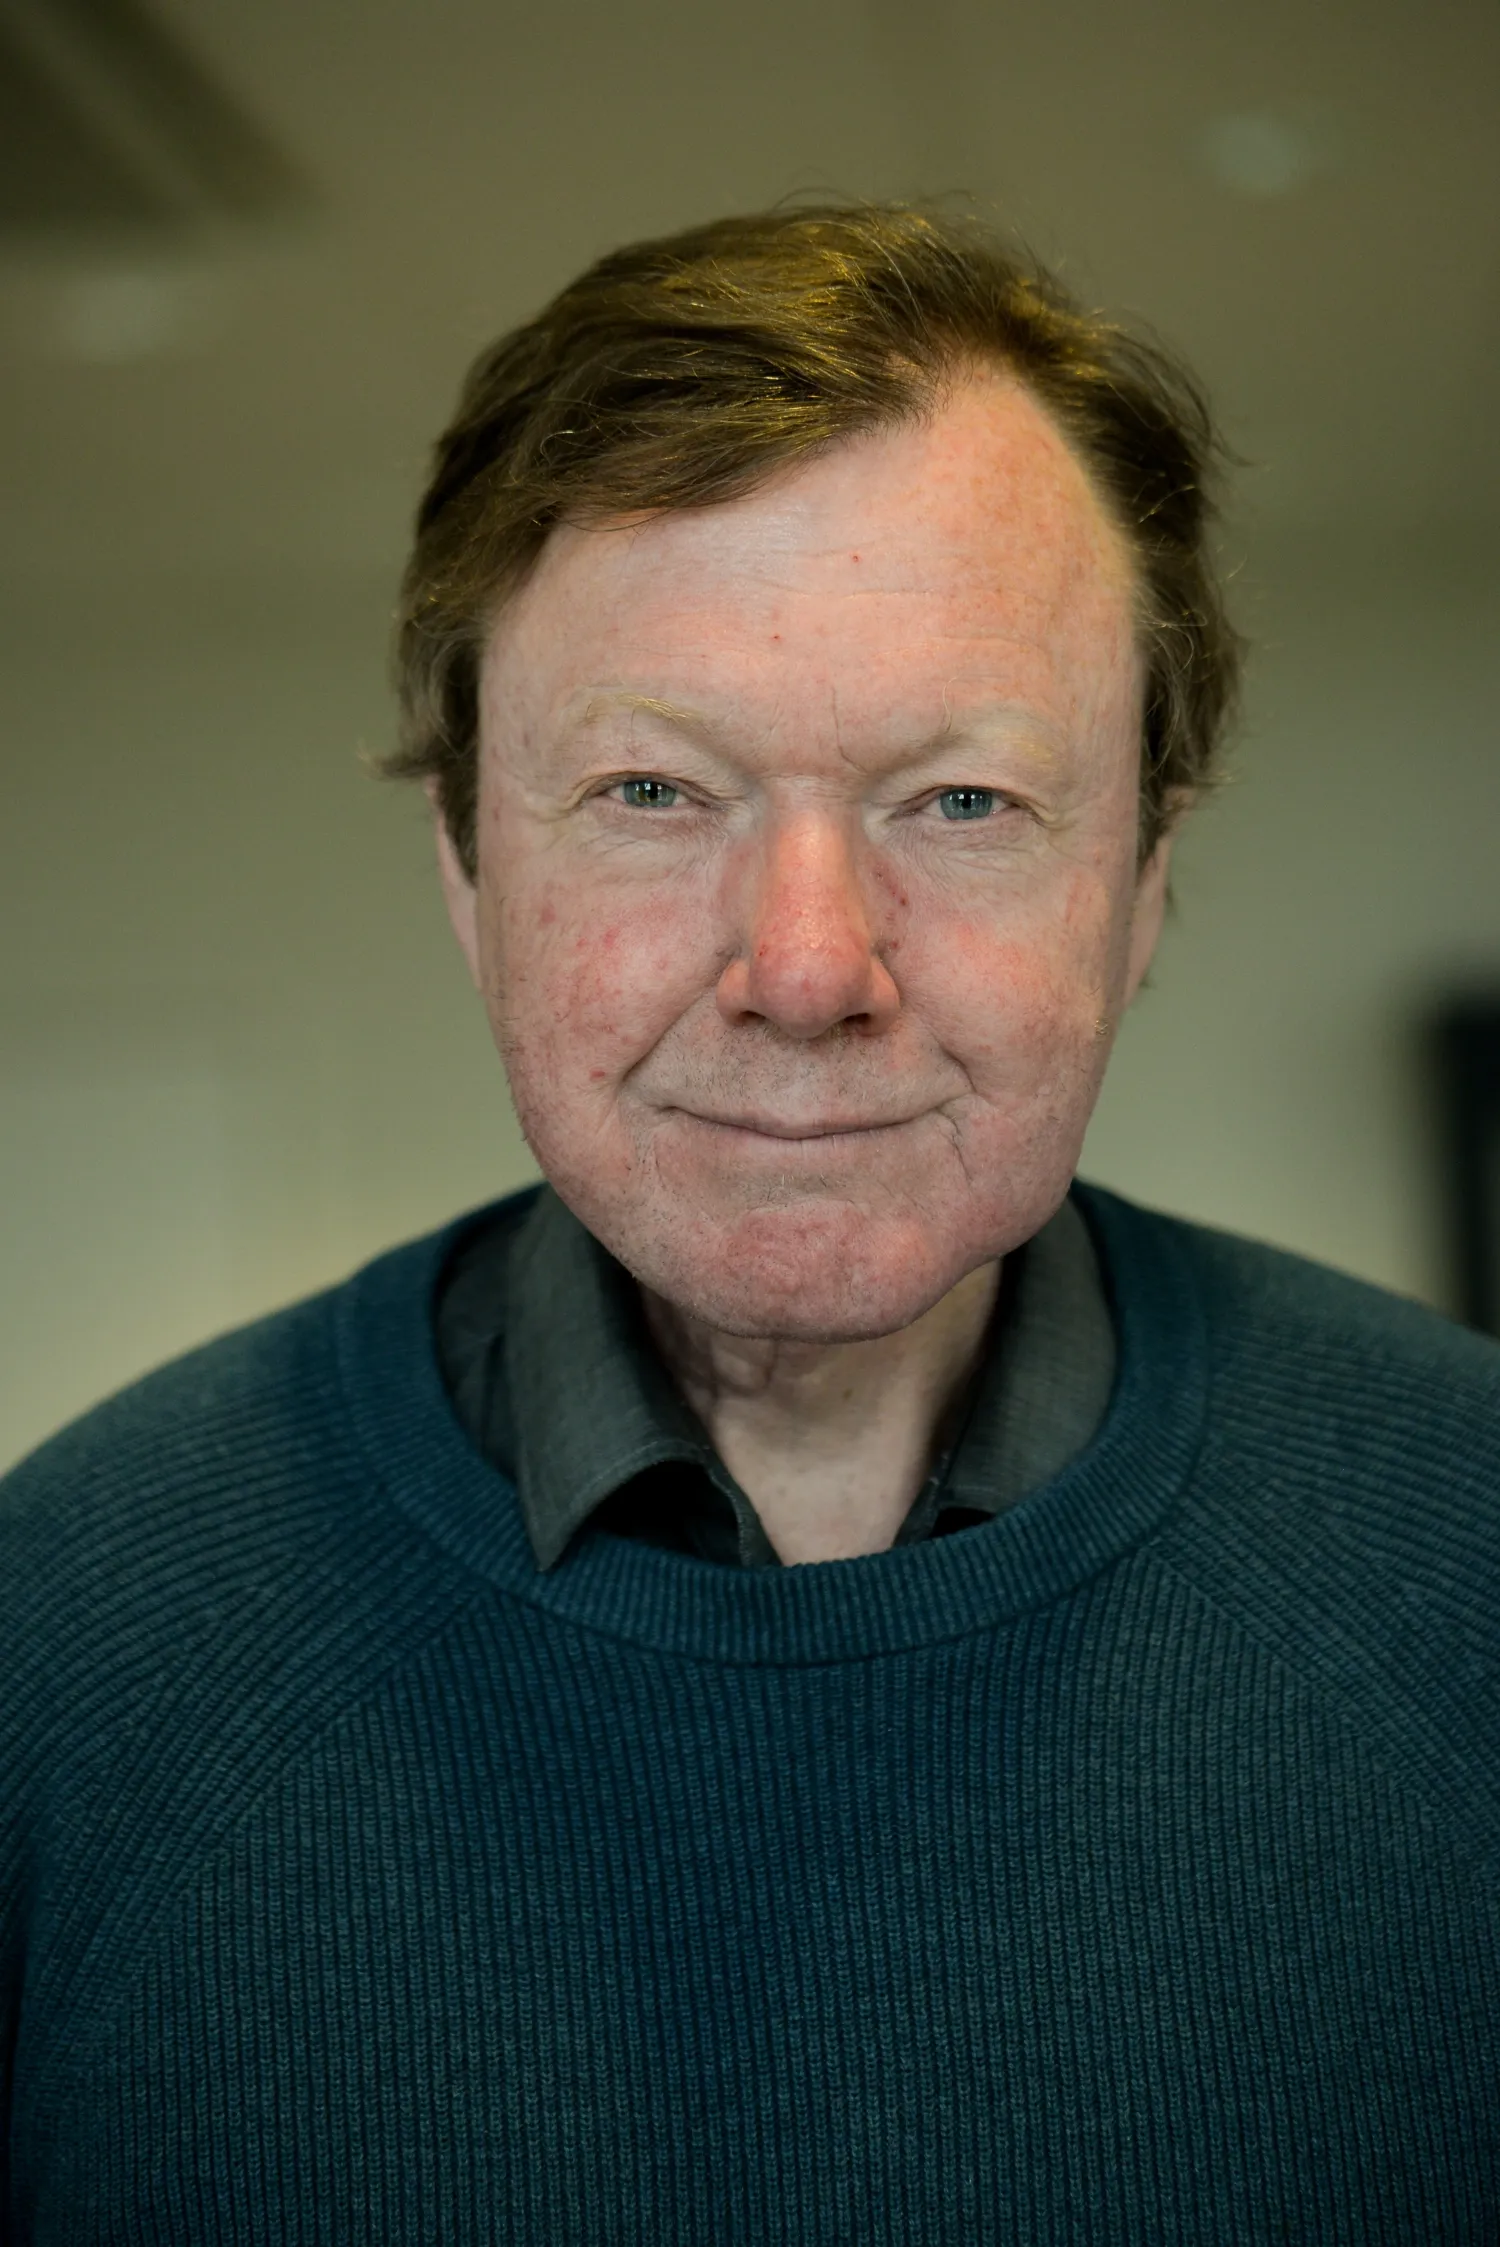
[(967, 803), (647, 794)]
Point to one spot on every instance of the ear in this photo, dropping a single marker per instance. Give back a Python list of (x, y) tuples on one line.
[(459, 893), (1147, 914)]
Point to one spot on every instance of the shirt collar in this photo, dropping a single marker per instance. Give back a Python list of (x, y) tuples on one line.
[(1044, 1383), (590, 1403)]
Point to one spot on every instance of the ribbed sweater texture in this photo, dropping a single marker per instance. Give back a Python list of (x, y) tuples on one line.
[(1120, 1870)]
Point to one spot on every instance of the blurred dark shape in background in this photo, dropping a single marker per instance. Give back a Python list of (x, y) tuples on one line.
[(1466, 1046), (108, 127)]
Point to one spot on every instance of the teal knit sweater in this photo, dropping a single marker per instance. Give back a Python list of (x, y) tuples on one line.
[(1122, 1870)]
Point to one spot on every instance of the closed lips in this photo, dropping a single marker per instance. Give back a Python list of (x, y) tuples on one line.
[(773, 1128)]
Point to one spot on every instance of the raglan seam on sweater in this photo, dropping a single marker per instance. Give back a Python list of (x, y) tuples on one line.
[(480, 1590), (74, 2053), (1484, 1859), (1343, 1711)]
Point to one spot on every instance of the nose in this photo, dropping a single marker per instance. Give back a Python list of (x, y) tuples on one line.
[(808, 961)]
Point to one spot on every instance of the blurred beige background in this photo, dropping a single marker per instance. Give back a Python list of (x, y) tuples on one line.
[(239, 1053)]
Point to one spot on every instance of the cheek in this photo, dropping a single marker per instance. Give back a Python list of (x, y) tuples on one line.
[(582, 988), (1028, 999)]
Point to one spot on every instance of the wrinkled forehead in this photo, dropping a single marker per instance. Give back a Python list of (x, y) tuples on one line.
[(957, 560)]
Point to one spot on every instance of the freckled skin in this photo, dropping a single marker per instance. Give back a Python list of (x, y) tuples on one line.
[(799, 1048)]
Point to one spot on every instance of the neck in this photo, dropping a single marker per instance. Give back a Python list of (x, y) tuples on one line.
[(830, 1441)]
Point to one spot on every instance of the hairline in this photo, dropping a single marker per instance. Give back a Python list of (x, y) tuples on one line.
[(934, 389)]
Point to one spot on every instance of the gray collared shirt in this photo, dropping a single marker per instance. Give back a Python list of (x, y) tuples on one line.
[(547, 1357)]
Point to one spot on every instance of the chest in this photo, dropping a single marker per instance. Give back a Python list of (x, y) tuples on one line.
[(1006, 1941)]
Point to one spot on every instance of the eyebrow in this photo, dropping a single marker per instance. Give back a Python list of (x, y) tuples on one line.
[(648, 705), (1034, 732)]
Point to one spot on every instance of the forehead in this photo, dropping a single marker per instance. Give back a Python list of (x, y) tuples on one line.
[(960, 558)]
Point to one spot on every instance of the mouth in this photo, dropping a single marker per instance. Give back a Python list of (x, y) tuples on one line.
[(777, 1127)]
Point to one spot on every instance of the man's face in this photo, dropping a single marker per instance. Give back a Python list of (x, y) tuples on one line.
[(808, 900)]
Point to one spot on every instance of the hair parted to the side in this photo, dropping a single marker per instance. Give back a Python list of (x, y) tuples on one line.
[(679, 372)]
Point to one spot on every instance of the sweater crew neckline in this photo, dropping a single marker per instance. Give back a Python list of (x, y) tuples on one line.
[(1038, 1551)]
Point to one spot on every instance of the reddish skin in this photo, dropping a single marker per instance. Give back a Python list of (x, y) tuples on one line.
[(711, 1050)]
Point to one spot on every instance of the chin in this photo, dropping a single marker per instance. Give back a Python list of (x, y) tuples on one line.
[(821, 1273)]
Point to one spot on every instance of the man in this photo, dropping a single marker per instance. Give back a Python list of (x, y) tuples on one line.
[(811, 1680)]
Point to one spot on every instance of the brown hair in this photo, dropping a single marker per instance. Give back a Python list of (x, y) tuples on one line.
[(680, 372)]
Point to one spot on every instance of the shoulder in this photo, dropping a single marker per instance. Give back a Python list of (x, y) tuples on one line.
[(256, 1427), (1318, 1344), (208, 1551), (1345, 1506), (154, 1484)]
